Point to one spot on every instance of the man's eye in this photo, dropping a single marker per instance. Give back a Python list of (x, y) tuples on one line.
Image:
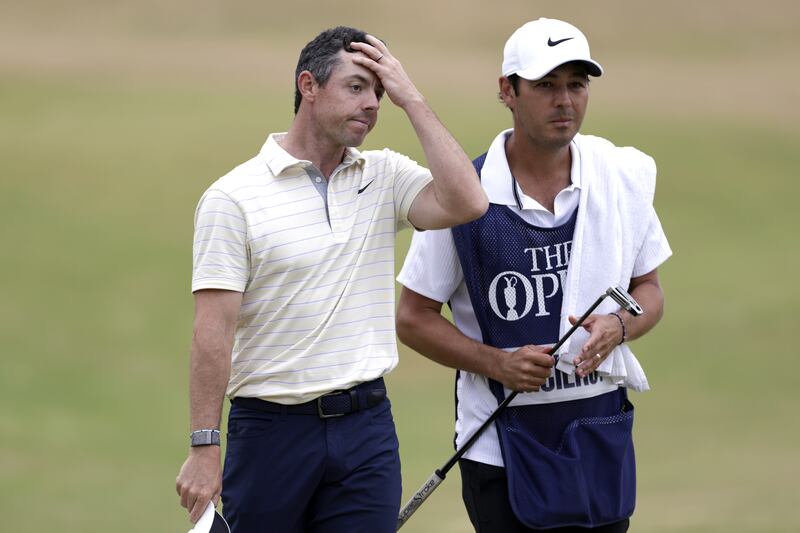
[(356, 88)]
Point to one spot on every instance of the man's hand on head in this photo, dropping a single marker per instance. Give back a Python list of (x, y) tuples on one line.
[(375, 56)]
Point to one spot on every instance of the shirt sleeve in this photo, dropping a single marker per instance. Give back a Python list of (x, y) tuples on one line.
[(221, 258), (654, 250), (409, 179), (431, 267)]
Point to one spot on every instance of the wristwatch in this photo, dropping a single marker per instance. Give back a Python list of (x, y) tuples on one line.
[(204, 437)]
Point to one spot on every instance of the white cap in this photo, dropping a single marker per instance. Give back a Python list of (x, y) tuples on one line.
[(542, 45)]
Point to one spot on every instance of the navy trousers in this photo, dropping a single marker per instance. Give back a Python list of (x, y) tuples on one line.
[(291, 473)]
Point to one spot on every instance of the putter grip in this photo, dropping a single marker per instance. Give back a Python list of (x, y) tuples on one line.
[(422, 494)]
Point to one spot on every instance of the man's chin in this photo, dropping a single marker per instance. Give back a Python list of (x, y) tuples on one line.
[(356, 141), (562, 138)]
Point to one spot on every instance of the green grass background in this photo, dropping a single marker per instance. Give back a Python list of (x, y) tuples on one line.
[(114, 117)]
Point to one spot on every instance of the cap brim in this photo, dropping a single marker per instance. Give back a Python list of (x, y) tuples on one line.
[(592, 69)]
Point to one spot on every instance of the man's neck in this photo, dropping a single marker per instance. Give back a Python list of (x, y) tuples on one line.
[(541, 171), (305, 143)]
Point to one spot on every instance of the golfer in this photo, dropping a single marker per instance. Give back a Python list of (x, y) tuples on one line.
[(294, 300), (569, 216)]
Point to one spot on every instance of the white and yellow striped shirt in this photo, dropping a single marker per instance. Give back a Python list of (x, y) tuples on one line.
[(318, 304)]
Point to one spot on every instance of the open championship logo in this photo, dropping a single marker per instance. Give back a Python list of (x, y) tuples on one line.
[(508, 282)]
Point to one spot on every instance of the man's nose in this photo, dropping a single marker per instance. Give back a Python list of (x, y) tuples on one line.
[(371, 101), (562, 97)]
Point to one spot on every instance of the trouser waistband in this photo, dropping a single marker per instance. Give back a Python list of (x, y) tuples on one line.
[(338, 403)]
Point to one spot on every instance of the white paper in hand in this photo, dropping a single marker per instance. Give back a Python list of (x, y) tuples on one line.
[(211, 522)]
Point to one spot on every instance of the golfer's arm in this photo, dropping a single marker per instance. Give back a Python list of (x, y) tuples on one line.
[(455, 196), (215, 317), (421, 326), (646, 290)]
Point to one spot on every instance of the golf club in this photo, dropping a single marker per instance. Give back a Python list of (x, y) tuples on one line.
[(619, 295)]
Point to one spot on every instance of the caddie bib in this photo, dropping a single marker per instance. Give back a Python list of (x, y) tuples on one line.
[(568, 463)]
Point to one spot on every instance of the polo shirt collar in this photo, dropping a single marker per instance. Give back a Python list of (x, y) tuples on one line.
[(278, 159), (501, 187)]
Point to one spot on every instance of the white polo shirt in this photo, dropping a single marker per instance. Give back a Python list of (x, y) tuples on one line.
[(315, 266), (433, 270)]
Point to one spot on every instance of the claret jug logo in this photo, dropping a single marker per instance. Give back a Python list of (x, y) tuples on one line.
[(503, 295), (513, 295)]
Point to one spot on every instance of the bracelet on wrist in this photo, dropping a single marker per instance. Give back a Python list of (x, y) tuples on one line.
[(621, 323)]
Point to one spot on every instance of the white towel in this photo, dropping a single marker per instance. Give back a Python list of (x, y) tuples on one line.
[(617, 189)]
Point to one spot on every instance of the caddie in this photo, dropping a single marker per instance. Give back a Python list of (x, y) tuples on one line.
[(570, 215)]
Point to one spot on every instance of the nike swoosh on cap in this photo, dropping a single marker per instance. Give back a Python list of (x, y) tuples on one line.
[(551, 42), (364, 188)]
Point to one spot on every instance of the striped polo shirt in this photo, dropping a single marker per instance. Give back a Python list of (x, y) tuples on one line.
[(315, 266)]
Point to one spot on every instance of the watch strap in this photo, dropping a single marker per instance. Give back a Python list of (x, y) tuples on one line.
[(204, 437)]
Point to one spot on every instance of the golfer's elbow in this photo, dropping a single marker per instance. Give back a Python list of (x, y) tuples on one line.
[(479, 204), (471, 208)]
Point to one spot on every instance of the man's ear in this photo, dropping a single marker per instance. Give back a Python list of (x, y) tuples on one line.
[(307, 85), (506, 93)]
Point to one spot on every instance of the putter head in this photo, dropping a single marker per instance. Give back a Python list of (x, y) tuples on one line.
[(625, 300)]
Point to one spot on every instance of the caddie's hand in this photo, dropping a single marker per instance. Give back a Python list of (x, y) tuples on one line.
[(200, 480), (525, 369), (376, 57), (606, 334)]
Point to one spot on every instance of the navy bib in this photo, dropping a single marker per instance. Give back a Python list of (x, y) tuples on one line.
[(515, 273), (567, 463)]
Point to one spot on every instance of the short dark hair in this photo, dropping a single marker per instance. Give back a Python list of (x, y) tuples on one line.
[(319, 56), (514, 80)]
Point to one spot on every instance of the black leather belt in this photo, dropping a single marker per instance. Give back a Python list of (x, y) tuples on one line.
[(337, 403)]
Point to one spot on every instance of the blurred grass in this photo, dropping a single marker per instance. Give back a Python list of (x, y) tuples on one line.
[(100, 176), (101, 182)]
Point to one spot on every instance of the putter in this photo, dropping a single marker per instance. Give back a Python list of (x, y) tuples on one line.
[(619, 295)]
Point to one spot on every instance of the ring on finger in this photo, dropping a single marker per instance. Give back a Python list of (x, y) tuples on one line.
[(598, 356), (379, 58)]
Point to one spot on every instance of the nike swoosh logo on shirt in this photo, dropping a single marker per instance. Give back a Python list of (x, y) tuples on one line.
[(362, 189), (551, 42)]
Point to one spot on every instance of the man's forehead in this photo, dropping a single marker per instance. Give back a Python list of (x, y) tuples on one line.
[(345, 66)]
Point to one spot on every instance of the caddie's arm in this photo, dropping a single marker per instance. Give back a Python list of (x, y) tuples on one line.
[(200, 478), (421, 326), (646, 290), (455, 196), (607, 331)]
